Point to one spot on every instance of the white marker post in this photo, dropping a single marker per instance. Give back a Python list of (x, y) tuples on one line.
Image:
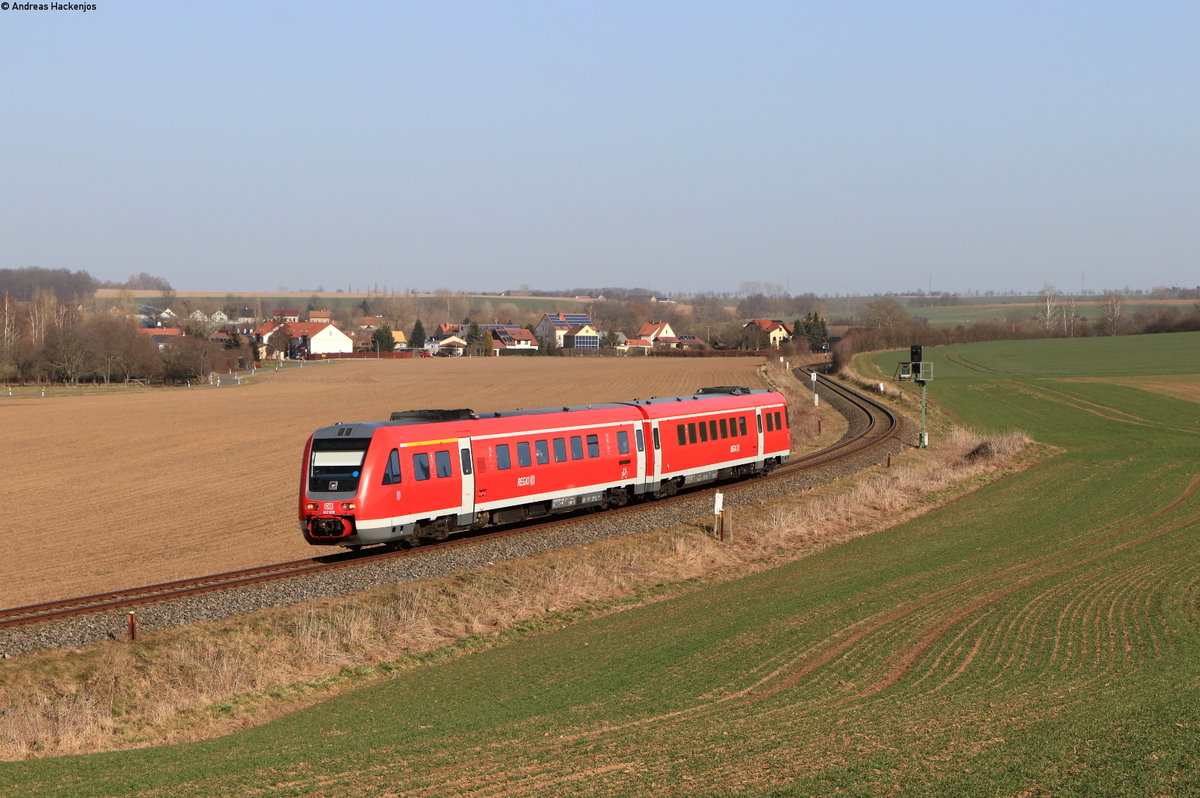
[(719, 516)]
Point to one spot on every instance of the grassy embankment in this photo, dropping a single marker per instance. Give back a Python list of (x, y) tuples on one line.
[(1039, 636)]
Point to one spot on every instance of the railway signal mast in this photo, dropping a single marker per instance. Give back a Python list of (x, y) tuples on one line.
[(920, 371)]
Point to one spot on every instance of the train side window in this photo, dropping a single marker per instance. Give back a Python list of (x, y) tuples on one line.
[(712, 428), (640, 438), (724, 428), (692, 432), (703, 432), (770, 421), (421, 466), (576, 447), (466, 460), (623, 441), (778, 419), (742, 424), (391, 474), (442, 458), (656, 442), (758, 418), (593, 443), (542, 450), (524, 459), (560, 450), (503, 457), (682, 434)]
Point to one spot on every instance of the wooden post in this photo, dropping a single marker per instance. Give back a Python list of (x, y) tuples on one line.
[(132, 626), (889, 463)]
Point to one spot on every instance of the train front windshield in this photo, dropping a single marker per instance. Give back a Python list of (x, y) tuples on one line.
[(336, 464)]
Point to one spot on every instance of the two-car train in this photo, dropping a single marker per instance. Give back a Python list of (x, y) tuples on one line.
[(427, 473)]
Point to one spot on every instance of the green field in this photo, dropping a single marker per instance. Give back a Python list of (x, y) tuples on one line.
[(1039, 636), (1027, 308)]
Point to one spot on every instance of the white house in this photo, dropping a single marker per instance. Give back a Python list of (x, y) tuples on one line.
[(309, 338)]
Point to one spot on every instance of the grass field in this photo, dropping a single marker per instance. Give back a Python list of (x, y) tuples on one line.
[(1028, 307), (1040, 636)]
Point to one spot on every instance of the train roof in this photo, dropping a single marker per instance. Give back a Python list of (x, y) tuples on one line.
[(723, 397)]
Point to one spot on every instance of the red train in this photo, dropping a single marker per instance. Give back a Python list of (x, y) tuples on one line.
[(427, 473)]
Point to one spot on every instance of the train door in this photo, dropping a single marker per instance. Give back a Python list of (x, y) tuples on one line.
[(466, 512), (758, 433), (647, 432), (639, 452)]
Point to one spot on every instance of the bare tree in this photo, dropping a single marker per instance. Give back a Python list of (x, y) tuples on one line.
[(1048, 310), (1110, 312), (884, 313)]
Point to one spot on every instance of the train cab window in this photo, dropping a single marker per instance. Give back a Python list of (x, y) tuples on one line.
[(703, 432), (336, 464), (623, 441), (503, 457), (560, 450), (712, 428), (576, 447), (692, 432), (724, 428), (442, 459), (742, 424), (391, 472), (421, 466), (640, 438), (682, 434), (466, 461), (593, 443), (542, 451), (524, 458)]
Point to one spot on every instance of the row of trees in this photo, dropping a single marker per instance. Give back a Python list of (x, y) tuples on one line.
[(885, 324), (44, 341)]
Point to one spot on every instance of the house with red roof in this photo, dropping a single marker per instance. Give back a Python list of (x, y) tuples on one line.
[(307, 338)]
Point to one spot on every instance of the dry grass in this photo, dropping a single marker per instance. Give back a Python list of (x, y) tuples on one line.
[(215, 678)]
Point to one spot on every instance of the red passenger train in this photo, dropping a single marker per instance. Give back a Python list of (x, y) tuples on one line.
[(427, 473)]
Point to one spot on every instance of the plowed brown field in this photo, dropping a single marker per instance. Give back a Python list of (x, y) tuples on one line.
[(115, 490)]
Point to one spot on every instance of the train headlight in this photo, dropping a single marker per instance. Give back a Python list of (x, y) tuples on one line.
[(312, 507), (348, 507)]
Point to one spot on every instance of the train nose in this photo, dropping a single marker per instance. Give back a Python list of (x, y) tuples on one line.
[(327, 526)]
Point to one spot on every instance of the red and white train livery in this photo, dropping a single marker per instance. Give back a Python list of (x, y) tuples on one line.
[(427, 473)]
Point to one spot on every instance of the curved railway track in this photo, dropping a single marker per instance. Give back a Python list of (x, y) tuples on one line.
[(871, 425)]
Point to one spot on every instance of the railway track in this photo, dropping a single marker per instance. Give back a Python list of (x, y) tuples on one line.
[(871, 424)]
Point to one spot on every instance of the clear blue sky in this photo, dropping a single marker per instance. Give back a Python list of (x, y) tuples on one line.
[(834, 147)]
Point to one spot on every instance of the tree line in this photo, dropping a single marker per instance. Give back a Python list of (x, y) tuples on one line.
[(43, 340)]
